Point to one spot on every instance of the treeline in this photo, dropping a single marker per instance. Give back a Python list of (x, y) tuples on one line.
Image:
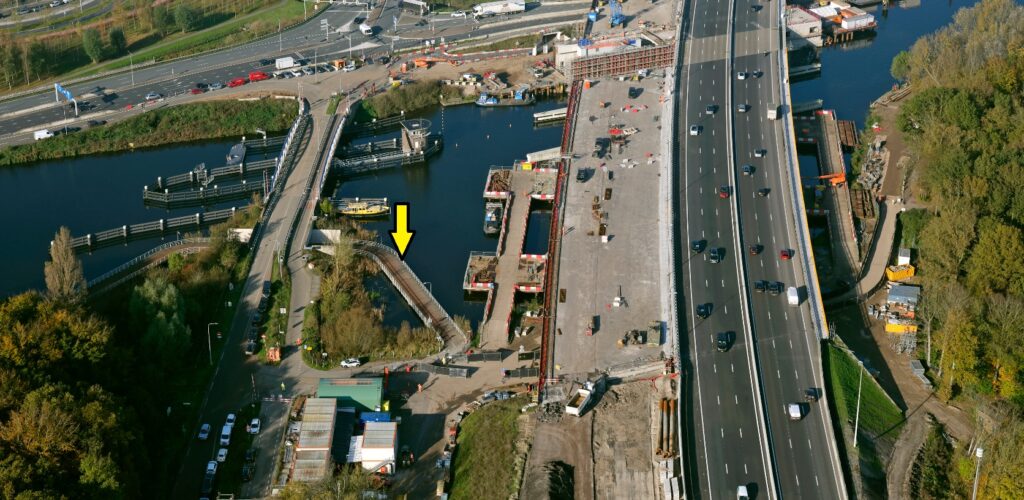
[(92, 405), (175, 124), (131, 25), (965, 121), (408, 98)]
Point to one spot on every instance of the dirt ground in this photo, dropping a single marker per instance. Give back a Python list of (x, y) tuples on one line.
[(514, 70)]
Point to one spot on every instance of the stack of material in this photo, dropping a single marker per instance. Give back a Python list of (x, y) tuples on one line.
[(667, 429)]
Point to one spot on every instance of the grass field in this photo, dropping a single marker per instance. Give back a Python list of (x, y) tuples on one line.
[(878, 415), (485, 457), (176, 124)]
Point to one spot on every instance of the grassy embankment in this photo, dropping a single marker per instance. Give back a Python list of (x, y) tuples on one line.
[(408, 98), (176, 124), (484, 462), (880, 418)]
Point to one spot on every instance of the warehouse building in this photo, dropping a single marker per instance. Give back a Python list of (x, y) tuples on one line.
[(363, 394), (313, 448)]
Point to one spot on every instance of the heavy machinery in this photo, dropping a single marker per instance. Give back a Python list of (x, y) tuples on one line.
[(836, 180), (616, 17)]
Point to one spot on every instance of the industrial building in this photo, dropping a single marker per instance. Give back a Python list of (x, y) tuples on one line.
[(903, 299), (313, 448), (804, 24), (363, 394)]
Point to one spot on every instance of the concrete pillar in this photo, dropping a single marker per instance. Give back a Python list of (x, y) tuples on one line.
[(199, 219), (159, 182), (88, 240), (163, 225), (124, 231)]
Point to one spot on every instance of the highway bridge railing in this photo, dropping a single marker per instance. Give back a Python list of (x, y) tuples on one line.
[(799, 214)]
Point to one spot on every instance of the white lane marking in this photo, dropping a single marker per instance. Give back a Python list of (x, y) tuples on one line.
[(773, 343), (732, 367), (741, 432), (723, 431), (790, 443), (726, 309), (737, 398), (778, 374), (809, 447), (719, 399), (795, 374)]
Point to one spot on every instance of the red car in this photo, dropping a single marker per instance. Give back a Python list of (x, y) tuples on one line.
[(197, 91), (237, 82), (723, 192), (256, 76), (786, 254)]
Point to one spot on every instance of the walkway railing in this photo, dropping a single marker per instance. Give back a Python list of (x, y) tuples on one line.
[(188, 245)]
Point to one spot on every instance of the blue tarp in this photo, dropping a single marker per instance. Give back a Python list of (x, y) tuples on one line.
[(374, 416)]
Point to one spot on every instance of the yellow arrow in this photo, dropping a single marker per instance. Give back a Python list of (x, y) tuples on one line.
[(401, 235)]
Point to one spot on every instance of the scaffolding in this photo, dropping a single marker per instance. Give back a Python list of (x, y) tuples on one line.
[(625, 62)]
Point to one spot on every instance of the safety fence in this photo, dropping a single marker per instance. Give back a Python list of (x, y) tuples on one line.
[(185, 246)]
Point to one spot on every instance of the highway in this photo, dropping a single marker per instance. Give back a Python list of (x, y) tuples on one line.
[(741, 431), (306, 41), (786, 343), (728, 447)]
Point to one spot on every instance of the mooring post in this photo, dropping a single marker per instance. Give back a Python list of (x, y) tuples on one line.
[(159, 182)]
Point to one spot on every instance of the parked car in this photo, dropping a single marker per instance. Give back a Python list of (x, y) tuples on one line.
[(308, 70), (351, 362), (96, 123), (266, 62), (197, 91), (153, 96), (216, 86), (250, 456), (254, 426), (211, 466), (230, 420), (222, 455), (237, 82), (458, 13), (204, 432), (634, 92)]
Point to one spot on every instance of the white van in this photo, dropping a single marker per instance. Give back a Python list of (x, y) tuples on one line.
[(366, 29), (225, 435), (42, 134)]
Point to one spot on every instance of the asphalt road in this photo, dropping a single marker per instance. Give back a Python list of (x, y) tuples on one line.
[(728, 445), (306, 41), (786, 343)]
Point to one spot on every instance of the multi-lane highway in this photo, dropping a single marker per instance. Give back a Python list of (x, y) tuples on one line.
[(742, 434), (306, 41), (730, 449), (787, 345)]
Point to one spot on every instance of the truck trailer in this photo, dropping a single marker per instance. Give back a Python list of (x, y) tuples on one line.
[(495, 8), (773, 111), (284, 62), (578, 402), (793, 296)]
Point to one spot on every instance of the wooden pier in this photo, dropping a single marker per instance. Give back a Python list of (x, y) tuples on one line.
[(201, 176), (555, 115), (162, 227), (205, 196), (349, 167)]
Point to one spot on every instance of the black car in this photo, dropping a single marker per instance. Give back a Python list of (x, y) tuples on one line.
[(266, 62), (760, 286), (697, 246), (96, 123), (266, 288), (250, 455), (748, 169), (383, 60), (762, 192), (756, 249), (250, 348), (722, 341), (703, 310), (256, 319), (582, 174), (775, 288), (635, 92), (716, 255)]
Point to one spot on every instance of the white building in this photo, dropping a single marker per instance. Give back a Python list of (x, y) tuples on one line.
[(379, 446)]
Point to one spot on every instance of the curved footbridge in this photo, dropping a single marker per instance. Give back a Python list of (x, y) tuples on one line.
[(415, 293)]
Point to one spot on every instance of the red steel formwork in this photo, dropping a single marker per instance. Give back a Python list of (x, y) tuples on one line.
[(623, 63)]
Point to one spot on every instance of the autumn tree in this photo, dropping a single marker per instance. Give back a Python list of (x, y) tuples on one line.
[(92, 44), (997, 259), (64, 278)]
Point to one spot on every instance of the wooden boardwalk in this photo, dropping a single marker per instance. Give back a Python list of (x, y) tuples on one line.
[(415, 293)]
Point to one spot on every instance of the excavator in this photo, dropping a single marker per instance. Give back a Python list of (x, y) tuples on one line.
[(836, 180)]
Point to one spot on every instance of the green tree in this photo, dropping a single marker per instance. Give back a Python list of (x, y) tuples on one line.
[(118, 42), (10, 62), (186, 18), (944, 243), (934, 461), (900, 66), (158, 310), (1004, 463), (959, 340), (92, 44), (163, 19), (34, 61), (996, 263), (1004, 325), (64, 278)]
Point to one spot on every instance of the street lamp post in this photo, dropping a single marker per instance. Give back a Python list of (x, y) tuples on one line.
[(209, 344), (977, 472), (856, 419), (131, 65)]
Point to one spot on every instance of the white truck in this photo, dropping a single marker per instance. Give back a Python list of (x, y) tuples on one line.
[(284, 63), (793, 296), (42, 134), (366, 29), (496, 8), (578, 401), (773, 111)]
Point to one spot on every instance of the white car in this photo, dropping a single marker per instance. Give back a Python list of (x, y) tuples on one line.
[(694, 129), (222, 455), (741, 492), (349, 66), (230, 420), (211, 466), (742, 108), (459, 13), (759, 153), (254, 426), (153, 96), (351, 362), (204, 432), (741, 75)]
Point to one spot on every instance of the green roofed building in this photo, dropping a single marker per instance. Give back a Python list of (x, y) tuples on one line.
[(363, 394)]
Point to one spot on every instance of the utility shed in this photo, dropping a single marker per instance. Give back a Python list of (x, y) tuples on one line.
[(802, 23), (380, 441), (903, 298), (313, 448), (363, 394)]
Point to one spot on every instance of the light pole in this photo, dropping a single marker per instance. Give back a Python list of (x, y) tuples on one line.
[(209, 344), (977, 472), (856, 419), (131, 65)]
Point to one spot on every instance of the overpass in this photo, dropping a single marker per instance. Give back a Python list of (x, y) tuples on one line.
[(735, 62)]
